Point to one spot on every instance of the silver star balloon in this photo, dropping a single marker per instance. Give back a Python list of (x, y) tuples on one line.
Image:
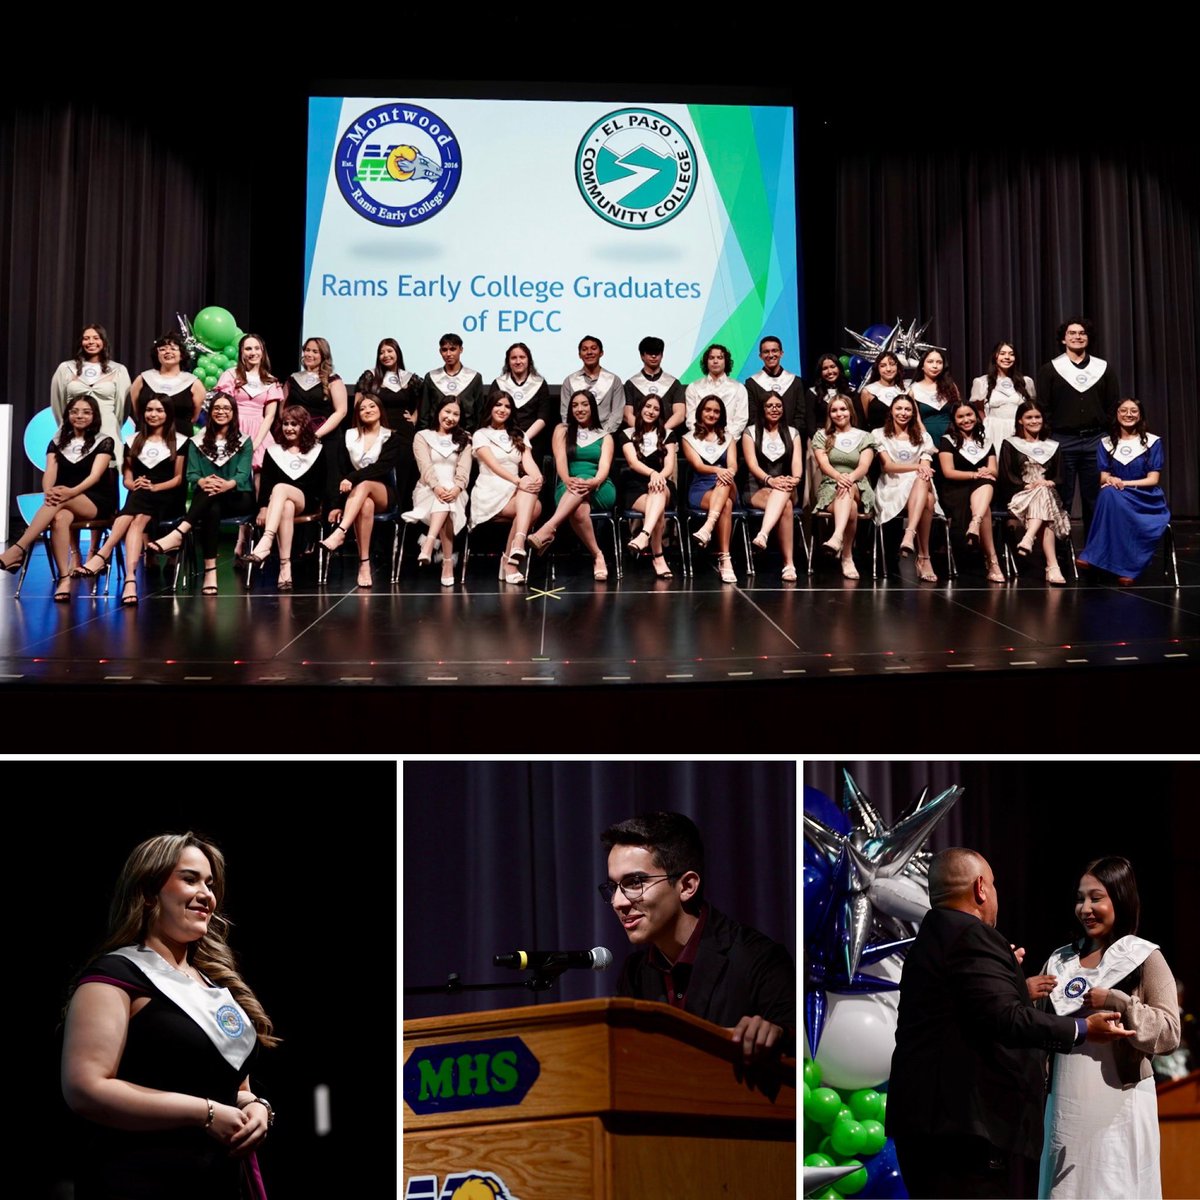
[(904, 342), (873, 883)]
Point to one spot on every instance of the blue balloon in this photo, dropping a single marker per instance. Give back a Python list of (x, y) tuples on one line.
[(858, 369), (884, 1181), (819, 805), (877, 332), (818, 891)]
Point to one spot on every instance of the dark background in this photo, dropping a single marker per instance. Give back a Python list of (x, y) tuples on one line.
[(995, 184), (311, 890), (1039, 823), (506, 856)]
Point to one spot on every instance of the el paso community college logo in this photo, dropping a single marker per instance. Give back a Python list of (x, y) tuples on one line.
[(636, 168), (398, 164)]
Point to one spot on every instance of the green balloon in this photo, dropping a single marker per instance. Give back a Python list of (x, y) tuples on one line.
[(827, 1194), (881, 1116), (232, 351), (845, 361), (825, 1146), (875, 1136), (812, 1073), (847, 1137), (822, 1106), (865, 1103), (214, 326), (819, 1160), (844, 1114), (813, 1133), (238, 334), (852, 1184)]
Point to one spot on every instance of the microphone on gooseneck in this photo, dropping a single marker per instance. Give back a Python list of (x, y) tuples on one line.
[(597, 959)]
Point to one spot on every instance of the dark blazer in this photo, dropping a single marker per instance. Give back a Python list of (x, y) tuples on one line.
[(738, 972), (970, 1047)]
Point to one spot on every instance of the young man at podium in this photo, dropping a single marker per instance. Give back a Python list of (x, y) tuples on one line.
[(685, 952)]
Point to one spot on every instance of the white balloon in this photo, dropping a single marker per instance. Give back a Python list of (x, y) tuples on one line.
[(859, 1034)]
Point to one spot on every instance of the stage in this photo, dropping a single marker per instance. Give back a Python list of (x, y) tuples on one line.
[(569, 631)]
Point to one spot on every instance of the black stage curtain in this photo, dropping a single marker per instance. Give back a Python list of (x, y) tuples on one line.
[(312, 900), (506, 856), (1039, 823), (1004, 239)]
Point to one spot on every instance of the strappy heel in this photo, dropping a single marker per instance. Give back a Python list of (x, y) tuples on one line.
[(666, 572), (259, 555), (336, 537), (515, 552), (926, 574), (128, 601), (908, 543), (725, 568), (284, 585), (87, 571), (14, 567), (973, 531)]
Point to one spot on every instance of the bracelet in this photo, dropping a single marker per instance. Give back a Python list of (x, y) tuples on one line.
[(267, 1105), (211, 1114)]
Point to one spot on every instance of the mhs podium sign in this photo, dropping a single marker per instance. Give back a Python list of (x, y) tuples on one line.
[(459, 1075)]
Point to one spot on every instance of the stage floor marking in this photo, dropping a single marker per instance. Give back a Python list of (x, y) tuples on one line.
[(794, 645)]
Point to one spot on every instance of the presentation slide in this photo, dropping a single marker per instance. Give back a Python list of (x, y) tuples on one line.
[(545, 221)]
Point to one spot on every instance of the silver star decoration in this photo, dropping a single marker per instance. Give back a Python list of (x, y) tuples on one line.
[(904, 342), (191, 343), (880, 873)]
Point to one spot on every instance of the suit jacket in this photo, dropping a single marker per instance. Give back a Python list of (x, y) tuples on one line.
[(970, 1047), (738, 972)]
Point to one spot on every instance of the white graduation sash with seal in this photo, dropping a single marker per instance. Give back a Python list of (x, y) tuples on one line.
[(1077, 375), (213, 1009), (1123, 956)]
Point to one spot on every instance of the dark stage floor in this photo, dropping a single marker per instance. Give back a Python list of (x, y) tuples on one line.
[(572, 631)]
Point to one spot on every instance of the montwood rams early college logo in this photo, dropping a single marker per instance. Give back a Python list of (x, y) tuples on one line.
[(398, 164), (636, 168)]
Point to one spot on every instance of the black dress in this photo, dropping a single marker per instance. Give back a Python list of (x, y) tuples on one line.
[(304, 471), (955, 494), (74, 468), (399, 395), (313, 398), (179, 401), (155, 464), (167, 1050), (346, 461), (634, 483)]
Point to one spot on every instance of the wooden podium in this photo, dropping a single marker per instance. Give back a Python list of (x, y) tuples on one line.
[(1179, 1133), (632, 1100)]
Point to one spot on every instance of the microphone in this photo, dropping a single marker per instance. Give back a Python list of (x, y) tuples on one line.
[(597, 959)]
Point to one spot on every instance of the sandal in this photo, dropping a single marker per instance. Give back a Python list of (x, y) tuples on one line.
[(928, 575), (600, 569), (209, 589), (510, 576), (1025, 546), (995, 573), (515, 552), (1054, 577), (760, 542), (908, 543), (370, 577), (259, 555), (62, 593), (335, 538), (447, 575), (87, 571), (129, 601), (725, 568), (14, 567), (849, 570), (666, 572), (832, 547), (164, 545), (788, 575), (640, 544), (973, 531), (425, 557), (704, 534), (284, 585), (540, 542)]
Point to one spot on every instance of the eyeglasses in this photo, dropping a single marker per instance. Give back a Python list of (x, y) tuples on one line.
[(632, 886)]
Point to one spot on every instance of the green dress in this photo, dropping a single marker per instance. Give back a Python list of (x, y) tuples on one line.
[(584, 464), (844, 457)]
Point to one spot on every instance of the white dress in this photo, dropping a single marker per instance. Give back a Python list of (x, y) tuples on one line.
[(491, 491), (443, 457), (892, 491), (1000, 407), (1101, 1136)]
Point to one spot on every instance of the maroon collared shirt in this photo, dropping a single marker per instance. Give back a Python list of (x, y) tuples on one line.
[(677, 976)]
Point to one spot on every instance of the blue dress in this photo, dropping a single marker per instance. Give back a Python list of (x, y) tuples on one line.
[(1128, 524)]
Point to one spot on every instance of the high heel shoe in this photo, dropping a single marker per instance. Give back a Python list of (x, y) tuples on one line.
[(995, 573), (364, 564), (973, 531), (62, 593), (335, 538), (14, 567), (508, 575), (167, 544), (760, 542), (284, 585), (87, 571), (599, 569), (640, 544), (1025, 546), (833, 547), (262, 551), (725, 568), (209, 589), (447, 579), (925, 574), (1054, 577), (788, 575), (515, 552), (666, 572), (908, 543), (128, 600), (540, 541), (704, 534), (425, 557), (849, 570)]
